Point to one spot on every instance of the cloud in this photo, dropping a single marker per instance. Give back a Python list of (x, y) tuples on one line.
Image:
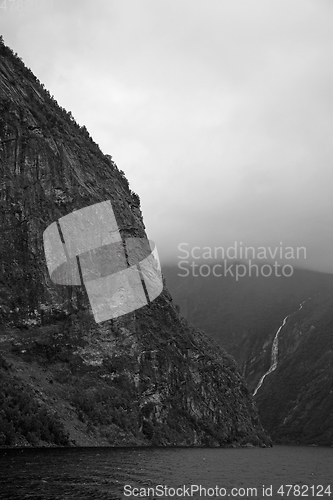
[(220, 113)]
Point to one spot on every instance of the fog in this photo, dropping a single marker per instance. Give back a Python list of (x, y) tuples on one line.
[(219, 112)]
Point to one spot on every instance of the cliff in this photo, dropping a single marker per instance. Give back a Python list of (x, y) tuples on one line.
[(144, 378), (295, 401)]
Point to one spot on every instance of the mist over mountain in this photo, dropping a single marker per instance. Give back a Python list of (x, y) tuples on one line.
[(219, 112), (244, 315)]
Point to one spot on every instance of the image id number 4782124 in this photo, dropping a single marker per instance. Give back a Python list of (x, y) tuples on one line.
[(298, 490)]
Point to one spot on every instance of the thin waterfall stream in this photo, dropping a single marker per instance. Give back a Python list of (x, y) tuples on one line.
[(275, 351)]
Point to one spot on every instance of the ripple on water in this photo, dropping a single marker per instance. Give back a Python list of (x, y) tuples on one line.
[(101, 473)]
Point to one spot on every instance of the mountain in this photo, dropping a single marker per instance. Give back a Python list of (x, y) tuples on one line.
[(296, 400), (146, 377), (244, 316)]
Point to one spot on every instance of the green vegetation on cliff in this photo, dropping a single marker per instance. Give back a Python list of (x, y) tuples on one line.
[(22, 419)]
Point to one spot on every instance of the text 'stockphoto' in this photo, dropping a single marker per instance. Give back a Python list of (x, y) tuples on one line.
[(166, 249)]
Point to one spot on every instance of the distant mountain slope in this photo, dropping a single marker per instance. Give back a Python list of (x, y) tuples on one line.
[(243, 316), (296, 400), (144, 378)]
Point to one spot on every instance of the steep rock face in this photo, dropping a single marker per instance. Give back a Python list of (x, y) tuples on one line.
[(144, 378), (296, 400)]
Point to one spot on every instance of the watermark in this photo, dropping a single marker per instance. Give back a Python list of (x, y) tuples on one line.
[(255, 260), (265, 491), (233, 270), (85, 248), (25, 5), (184, 491)]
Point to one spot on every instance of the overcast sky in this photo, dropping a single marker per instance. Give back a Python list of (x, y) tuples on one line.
[(219, 112)]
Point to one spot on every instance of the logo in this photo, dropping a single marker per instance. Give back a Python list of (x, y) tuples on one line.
[(85, 248)]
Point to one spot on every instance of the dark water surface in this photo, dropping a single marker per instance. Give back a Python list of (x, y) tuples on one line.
[(102, 473)]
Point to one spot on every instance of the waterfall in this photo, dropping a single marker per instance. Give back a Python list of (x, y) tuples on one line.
[(275, 351)]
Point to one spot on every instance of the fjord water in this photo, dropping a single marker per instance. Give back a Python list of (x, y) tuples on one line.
[(102, 473)]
